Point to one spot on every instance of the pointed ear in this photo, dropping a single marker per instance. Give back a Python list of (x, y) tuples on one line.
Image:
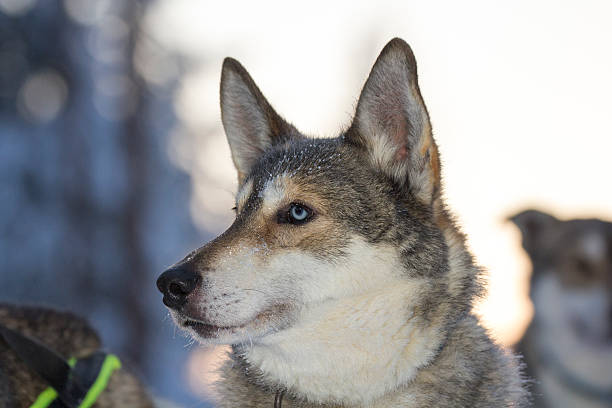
[(250, 123), (536, 228), (392, 124)]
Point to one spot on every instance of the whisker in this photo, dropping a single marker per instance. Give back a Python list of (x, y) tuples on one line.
[(256, 290)]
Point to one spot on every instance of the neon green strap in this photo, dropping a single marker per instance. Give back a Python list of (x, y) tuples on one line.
[(45, 398), (110, 364)]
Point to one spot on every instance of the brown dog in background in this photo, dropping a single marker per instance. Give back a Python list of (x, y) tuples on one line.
[(568, 346)]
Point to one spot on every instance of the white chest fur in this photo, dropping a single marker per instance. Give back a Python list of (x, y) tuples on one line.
[(352, 350)]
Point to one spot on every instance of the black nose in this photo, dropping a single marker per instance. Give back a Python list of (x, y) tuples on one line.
[(176, 284)]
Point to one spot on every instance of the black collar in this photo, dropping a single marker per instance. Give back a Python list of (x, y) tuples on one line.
[(278, 398)]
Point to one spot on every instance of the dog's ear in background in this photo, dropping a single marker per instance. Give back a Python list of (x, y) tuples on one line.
[(536, 227), (392, 124), (251, 124)]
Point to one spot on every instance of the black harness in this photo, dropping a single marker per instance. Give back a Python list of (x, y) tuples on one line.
[(73, 383)]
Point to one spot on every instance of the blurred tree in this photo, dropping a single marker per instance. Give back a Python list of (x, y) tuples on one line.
[(91, 209)]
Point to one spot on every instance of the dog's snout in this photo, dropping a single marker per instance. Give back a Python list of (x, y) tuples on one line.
[(176, 284)]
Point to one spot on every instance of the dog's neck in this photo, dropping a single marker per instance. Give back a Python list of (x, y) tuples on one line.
[(555, 336), (354, 349)]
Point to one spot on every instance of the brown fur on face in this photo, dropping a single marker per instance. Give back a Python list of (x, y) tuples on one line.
[(257, 222), (314, 236)]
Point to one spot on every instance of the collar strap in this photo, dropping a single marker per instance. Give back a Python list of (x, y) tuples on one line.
[(73, 383), (278, 398), (94, 370)]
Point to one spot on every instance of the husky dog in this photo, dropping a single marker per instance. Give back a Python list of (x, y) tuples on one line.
[(343, 281), (568, 346), (68, 336)]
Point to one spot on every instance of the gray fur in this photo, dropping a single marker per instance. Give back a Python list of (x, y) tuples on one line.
[(378, 181)]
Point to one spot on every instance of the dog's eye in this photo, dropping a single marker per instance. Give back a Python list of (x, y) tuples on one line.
[(583, 267), (296, 214)]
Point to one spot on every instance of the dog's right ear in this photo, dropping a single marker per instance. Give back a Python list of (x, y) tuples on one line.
[(535, 227), (251, 124)]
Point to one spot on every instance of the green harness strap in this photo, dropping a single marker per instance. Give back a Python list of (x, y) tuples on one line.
[(110, 364), (73, 383)]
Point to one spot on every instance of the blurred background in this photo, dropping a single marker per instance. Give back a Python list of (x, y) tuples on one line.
[(114, 165)]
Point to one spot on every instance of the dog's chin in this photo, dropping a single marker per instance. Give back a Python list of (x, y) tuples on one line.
[(266, 322)]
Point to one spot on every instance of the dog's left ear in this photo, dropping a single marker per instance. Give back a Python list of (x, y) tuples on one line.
[(536, 228), (392, 124), (251, 124)]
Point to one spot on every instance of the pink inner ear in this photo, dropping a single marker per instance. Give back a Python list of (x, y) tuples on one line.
[(401, 154), (399, 134)]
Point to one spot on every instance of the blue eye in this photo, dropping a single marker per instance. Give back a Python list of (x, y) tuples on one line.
[(297, 214)]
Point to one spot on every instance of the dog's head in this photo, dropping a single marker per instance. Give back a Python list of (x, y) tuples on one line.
[(316, 219), (572, 274)]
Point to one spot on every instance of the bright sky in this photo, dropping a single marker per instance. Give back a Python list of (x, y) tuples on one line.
[(518, 91)]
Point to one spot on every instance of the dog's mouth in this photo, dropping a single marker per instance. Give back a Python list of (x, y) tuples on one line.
[(209, 330), (269, 319)]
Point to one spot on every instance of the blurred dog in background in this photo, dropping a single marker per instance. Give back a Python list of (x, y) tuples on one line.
[(68, 336), (568, 346)]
